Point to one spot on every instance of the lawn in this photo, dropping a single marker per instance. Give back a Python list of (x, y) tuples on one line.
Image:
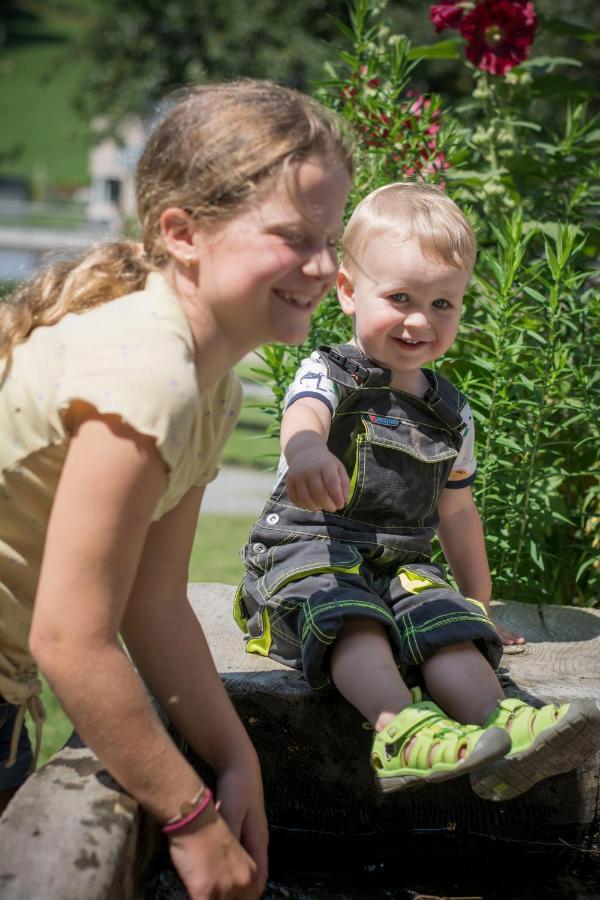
[(249, 445), (42, 137)]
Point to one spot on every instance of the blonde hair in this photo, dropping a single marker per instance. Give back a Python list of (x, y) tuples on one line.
[(208, 155), (410, 210)]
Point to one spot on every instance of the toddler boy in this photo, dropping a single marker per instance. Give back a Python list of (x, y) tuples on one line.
[(378, 456)]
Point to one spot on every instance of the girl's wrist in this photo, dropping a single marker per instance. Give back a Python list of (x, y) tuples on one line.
[(190, 811)]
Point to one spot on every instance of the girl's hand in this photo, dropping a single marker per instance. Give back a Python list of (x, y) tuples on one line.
[(211, 863), (241, 804), (317, 480)]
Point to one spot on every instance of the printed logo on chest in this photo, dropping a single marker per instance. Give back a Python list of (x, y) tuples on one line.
[(387, 421)]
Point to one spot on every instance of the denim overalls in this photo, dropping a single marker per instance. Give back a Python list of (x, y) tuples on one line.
[(307, 571)]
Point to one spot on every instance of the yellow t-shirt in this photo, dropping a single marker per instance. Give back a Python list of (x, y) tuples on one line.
[(134, 357)]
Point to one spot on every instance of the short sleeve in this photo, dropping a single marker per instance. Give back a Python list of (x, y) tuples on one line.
[(465, 465), (311, 380), (144, 375)]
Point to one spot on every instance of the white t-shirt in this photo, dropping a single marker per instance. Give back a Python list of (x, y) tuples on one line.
[(312, 380)]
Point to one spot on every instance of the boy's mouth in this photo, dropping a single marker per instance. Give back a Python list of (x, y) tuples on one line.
[(409, 343)]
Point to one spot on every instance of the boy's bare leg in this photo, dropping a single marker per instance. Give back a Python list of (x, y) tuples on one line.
[(365, 672), (462, 682)]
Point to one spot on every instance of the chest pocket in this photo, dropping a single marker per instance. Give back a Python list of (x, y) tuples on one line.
[(398, 471)]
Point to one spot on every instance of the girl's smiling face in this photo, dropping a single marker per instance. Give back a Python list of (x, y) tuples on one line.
[(262, 273), (406, 306)]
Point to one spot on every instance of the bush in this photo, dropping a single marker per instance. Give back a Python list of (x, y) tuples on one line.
[(519, 158)]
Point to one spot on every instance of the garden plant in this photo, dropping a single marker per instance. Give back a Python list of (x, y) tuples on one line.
[(520, 156)]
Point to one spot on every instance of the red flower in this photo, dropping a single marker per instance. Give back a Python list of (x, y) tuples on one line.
[(499, 34), (446, 15)]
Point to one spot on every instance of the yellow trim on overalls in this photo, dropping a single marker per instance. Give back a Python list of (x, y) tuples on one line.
[(261, 645), (238, 605), (304, 572), (480, 604), (415, 583)]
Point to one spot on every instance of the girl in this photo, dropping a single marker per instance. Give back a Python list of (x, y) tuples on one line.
[(113, 416)]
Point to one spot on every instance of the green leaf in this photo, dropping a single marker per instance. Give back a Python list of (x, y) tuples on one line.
[(442, 50), (584, 566), (549, 62), (569, 29), (535, 555), (535, 294)]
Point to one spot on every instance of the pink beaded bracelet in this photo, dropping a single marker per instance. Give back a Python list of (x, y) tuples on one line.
[(198, 806)]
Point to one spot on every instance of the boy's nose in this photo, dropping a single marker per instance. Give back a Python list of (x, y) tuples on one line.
[(416, 319)]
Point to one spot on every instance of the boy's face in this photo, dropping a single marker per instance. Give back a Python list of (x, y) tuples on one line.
[(406, 306)]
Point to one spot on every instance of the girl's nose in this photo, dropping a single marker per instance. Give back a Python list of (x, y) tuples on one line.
[(322, 264)]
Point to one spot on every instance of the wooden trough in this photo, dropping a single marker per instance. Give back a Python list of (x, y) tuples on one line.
[(70, 834)]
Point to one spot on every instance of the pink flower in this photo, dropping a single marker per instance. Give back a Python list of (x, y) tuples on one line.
[(446, 15), (499, 34)]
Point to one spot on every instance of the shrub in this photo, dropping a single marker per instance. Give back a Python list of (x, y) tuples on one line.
[(519, 157)]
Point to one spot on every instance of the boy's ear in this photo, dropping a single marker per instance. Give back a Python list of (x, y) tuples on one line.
[(345, 291), (178, 233)]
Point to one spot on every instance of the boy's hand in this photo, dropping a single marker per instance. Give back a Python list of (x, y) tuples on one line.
[(317, 480)]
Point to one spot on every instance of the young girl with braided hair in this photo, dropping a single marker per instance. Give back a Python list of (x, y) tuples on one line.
[(117, 395)]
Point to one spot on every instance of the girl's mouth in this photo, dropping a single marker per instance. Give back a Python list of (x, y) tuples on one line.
[(296, 300)]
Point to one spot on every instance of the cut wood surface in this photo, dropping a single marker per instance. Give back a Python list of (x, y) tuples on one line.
[(69, 834)]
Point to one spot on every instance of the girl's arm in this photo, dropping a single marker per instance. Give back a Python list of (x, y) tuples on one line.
[(316, 478), (461, 535), (109, 486), (168, 646)]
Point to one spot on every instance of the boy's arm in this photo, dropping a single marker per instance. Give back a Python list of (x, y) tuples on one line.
[(316, 478), (461, 535)]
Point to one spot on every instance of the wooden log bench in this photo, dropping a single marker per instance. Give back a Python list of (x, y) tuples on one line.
[(70, 834)]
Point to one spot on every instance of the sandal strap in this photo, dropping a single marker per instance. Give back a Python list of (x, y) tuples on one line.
[(430, 729), (524, 722)]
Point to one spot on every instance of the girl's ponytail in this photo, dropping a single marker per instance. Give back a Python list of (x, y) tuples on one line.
[(108, 271)]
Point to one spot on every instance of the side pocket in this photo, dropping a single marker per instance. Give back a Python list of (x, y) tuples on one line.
[(291, 562)]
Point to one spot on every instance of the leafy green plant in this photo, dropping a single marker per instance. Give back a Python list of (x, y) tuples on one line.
[(524, 169)]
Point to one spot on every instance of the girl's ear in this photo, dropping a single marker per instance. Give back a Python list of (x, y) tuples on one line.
[(178, 233), (345, 291)]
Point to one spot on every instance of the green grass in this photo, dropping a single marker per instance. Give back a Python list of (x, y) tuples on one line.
[(42, 137), (216, 551), (249, 445)]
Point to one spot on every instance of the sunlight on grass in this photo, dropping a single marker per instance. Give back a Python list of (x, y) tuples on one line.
[(216, 551)]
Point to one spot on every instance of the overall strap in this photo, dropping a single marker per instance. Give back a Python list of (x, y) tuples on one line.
[(445, 399), (346, 365)]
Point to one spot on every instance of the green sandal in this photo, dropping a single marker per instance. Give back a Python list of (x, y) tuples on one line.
[(432, 734), (545, 742)]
